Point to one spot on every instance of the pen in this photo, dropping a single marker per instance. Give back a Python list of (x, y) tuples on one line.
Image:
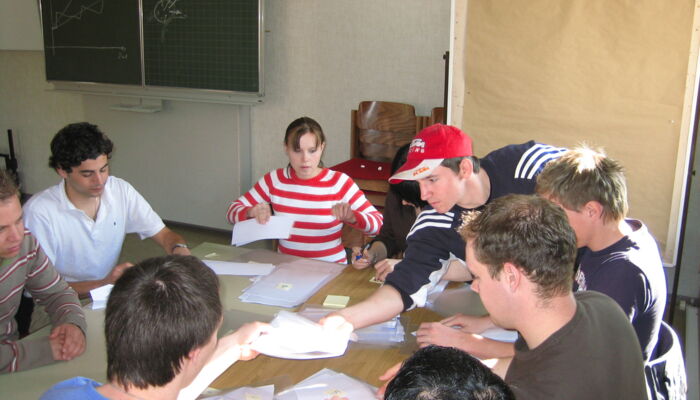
[(362, 251)]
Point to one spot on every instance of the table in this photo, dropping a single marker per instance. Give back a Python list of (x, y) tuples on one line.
[(366, 362)]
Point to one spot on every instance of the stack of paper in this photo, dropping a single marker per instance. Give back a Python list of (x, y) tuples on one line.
[(291, 284), (328, 384), (295, 337), (386, 332)]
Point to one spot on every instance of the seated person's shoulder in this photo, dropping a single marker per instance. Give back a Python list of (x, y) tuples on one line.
[(74, 388)]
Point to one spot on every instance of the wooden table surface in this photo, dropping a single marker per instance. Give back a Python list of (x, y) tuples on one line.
[(363, 361)]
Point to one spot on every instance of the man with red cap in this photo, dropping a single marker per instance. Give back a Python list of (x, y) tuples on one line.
[(453, 182)]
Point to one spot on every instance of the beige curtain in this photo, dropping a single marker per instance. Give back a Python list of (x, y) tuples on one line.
[(614, 74)]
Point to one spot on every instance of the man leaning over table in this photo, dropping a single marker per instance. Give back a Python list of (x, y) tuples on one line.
[(81, 222), (23, 265), (453, 182)]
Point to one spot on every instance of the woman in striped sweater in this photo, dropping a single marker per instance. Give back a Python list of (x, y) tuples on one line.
[(318, 199)]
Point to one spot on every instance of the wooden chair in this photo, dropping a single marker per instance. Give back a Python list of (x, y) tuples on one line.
[(437, 116), (379, 128)]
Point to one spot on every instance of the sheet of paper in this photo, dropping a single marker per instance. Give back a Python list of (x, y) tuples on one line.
[(246, 393), (235, 268), (328, 384), (295, 337), (211, 371), (100, 296), (500, 334), (278, 227)]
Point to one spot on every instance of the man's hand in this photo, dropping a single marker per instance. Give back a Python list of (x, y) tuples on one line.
[(67, 342), (242, 338), (343, 213), (387, 377), (336, 322), (261, 212), (117, 272), (469, 323), (441, 335), (384, 268)]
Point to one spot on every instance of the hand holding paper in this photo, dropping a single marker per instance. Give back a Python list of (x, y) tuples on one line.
[(295, 337)]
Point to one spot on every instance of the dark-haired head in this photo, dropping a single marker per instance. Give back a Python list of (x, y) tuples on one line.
[(159, 311), (406, 190), (446, 373), (76, 143)]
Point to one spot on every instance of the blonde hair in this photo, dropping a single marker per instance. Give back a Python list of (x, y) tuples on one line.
[(582, 175)]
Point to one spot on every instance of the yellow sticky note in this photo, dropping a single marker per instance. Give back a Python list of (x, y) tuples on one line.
[(336, 301)]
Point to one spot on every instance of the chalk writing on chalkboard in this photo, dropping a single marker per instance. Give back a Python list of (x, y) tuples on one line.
[(70, 13), (168, 44)]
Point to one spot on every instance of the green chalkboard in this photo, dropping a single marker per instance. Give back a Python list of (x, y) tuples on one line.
[(197, 44), (92, 41)]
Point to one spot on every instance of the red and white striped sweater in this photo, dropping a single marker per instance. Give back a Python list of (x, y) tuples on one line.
[(315, 233)]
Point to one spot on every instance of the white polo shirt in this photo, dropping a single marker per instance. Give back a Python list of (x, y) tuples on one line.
[(83, 249)]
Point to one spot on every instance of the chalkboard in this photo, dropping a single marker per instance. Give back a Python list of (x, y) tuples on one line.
[(198, 44), (92, 41)]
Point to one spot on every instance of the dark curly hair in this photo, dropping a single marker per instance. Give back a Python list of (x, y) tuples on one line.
[(76, 143)]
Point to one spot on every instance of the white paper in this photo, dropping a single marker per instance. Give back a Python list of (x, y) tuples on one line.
[(500, 334), (100, 296), (247, 393), (295, 337), (211, 371), (328, 384), (236, 268), (291, 284), (278, 227)]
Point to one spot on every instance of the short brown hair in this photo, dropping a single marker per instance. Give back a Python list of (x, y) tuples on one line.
[(8, 187), (529, 232), (582, 175)]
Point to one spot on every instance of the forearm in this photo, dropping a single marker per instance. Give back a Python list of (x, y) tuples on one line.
[(457, 272), (383, 305), (24, 354), (167, 239), (485, 349)]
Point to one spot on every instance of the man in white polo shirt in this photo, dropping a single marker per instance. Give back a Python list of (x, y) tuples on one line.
[(81, 222)]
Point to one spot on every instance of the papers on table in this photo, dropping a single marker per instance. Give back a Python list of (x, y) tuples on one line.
[(278, 227), (500, 334), (386, 332), (328, 384), (100, 296), (246, 393), (293, 336), (291, 284), (235, 268)]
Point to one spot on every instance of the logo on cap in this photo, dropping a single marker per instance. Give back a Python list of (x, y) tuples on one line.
[(417, 146)]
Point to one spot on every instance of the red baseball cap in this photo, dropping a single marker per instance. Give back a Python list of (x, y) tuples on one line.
[(430, 146)]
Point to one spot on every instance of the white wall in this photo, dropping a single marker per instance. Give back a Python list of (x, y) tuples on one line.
[(322, 58)]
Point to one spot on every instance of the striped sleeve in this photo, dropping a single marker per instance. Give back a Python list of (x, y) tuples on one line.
[(33, 270), (260, 193), (369, 220)]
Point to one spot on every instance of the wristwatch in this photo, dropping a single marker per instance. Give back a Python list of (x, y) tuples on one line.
[(176, 245)]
